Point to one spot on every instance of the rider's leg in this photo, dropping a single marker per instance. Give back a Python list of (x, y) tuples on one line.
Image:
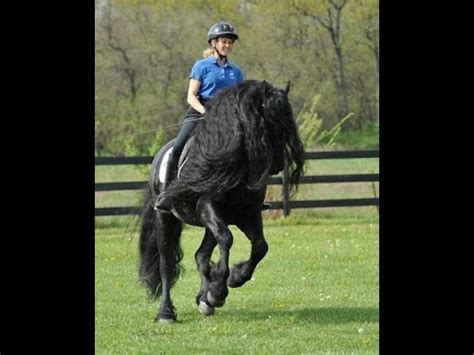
[(189, 124)]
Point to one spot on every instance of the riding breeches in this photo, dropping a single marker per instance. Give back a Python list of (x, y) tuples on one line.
[(191, 120)]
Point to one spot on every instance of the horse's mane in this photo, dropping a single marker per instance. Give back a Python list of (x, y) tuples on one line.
[(247, 131)]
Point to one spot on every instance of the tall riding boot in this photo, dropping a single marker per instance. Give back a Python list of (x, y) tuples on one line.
[(163, 201), (171, 170)]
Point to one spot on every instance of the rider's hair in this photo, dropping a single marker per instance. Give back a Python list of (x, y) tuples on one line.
[(207, 52)]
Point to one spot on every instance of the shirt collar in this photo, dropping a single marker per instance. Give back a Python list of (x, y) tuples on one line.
[(213, 59)]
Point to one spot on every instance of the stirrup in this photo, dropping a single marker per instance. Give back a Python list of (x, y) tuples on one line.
[(159, 205)]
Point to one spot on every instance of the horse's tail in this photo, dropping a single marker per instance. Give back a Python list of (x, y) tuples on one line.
[(152, 232), (149, 271)]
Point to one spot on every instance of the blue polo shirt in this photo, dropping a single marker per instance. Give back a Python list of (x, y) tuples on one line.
[(213, 77)]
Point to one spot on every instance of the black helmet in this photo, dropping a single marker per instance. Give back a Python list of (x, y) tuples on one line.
[(221, 29)]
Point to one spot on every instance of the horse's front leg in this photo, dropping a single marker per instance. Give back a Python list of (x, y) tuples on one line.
[(253, 229), (210, 216), (203, 257)]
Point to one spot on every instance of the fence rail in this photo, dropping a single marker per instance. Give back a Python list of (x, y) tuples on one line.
[(285, 204)]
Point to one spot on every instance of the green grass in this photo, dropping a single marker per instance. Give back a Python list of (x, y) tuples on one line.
[(316, 291), (365, 138)]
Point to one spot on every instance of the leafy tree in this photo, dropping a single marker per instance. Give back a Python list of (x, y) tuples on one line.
[(145, 49)]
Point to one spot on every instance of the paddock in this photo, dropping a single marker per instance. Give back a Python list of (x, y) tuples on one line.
[(316, 291)]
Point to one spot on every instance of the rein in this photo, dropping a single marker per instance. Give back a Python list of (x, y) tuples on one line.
[(154, 130)]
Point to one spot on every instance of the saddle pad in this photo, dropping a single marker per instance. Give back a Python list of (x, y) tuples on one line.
[(181, 161), (163, 165)]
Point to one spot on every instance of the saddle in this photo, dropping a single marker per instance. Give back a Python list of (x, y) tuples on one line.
[(158, 166)]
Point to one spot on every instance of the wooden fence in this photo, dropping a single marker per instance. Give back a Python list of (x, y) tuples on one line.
[(285, 204)]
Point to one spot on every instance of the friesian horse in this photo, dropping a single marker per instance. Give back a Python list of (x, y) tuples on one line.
[(248, 134)]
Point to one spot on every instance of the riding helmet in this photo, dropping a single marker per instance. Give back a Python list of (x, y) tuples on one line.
[(222, 29)]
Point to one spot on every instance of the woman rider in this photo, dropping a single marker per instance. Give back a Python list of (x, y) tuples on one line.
[(208, 77)]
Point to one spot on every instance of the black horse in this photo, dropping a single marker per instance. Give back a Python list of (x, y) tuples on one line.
[(248, 134)]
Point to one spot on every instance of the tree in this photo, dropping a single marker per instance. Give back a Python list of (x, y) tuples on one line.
[(145, 50), (328, 15)]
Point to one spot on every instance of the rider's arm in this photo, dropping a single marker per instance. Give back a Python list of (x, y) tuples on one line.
[(193, 89)]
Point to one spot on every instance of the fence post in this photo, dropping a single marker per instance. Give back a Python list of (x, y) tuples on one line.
[(286, 190)]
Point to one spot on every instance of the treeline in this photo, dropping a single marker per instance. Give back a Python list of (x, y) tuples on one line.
[(328, 49)]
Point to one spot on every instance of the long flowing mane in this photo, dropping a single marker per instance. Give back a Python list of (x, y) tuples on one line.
[(247, 133)]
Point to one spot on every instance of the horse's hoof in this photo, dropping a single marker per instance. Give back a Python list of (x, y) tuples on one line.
[(233, 282), (166, 320), (205, 309), (212, 301)]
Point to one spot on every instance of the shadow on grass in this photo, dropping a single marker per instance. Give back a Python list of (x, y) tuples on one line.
[(327, 315)]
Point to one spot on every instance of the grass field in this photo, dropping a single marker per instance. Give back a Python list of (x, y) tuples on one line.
[(316, 291)]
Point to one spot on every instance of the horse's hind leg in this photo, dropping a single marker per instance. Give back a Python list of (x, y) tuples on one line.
[(242, 272), (170, 255), (211, 218), (203, 257)]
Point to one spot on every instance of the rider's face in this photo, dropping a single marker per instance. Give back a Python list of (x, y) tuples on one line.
[(224, 45)]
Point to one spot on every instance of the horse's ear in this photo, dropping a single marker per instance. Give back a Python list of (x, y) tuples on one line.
[(286, 88)]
